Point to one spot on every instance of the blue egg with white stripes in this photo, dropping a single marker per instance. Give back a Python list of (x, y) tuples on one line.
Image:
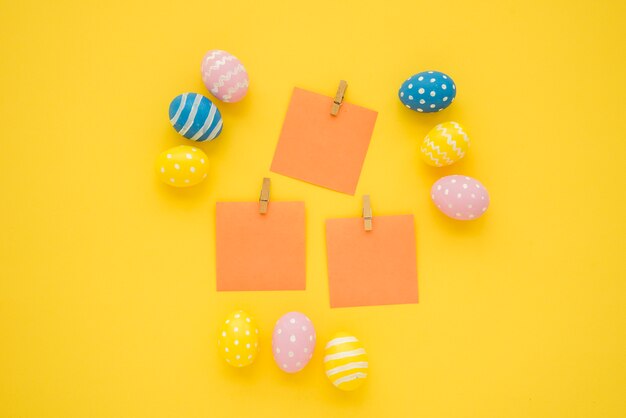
[(195, 117), (427, 92)]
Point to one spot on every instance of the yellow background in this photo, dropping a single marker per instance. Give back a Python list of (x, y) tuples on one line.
[(108, 305)]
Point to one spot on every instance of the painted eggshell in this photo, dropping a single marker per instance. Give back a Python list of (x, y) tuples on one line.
[(293, 341), (225, 76), (182, 166), (195, 117), (345, 361), (460, 197), (428, 91), (238, 342), (445, 144)]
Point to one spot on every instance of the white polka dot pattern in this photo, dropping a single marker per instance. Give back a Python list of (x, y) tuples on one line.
[(182, 166), (238, 340), (428, 91), (293, 342), (460, 197)]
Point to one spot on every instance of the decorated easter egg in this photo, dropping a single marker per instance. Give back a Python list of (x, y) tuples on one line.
[(445, 144), (345, 361), (238, 342), (460, 197), (182, 166), (293, 341), (225, 76), (195, 117), (428, 91)]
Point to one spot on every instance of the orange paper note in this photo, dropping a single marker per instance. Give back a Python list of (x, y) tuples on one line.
[(322, 149), (260, 251), (376, 267)]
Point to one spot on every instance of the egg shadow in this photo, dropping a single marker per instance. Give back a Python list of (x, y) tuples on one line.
[(183, 197), (231, 112), (450, 225), (418, 124), (429, 175), (241, 379)]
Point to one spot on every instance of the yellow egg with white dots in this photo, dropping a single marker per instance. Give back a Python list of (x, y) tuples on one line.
[(182, 166), (238, 341)]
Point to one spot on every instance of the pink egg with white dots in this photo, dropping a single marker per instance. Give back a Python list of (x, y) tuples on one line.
[(293, 342), (460, 197)]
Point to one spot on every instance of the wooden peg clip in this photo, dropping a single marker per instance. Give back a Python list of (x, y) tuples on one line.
[(341, 91), (264, 199), (367, 213)]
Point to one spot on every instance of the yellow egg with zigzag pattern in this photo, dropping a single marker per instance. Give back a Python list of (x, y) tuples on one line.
[(445, 144), (345, 361)]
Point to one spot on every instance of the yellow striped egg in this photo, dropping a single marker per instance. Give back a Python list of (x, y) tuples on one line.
[(445, 144), (182, 166), (238, 342), (345, 361)]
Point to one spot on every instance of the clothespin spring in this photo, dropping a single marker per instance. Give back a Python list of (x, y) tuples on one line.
[(367, 213), (264, 199), (341, 91)]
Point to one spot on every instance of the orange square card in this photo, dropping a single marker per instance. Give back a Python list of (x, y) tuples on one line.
[(260, 251), (376, 267), (322, 149)]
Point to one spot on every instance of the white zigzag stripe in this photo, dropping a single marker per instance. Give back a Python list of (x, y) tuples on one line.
[(217, 64), (449, 140), (233, 90), (225, 77), (444, 131), (216, 53), (207, 124), (220, 62), (432, 157), (430, 154), (460, 131), (456, 149), (438, 149), (192, 115)]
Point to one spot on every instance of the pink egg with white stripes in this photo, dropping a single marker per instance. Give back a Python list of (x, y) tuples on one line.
[(293, 342), (460, 197), (225, 76)]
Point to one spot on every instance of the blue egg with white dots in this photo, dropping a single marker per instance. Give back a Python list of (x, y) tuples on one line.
[(195, 117), (427, 92)]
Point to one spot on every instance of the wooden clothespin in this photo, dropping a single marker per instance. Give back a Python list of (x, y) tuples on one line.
[(264, 199), (367, 213), (341, 91)]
